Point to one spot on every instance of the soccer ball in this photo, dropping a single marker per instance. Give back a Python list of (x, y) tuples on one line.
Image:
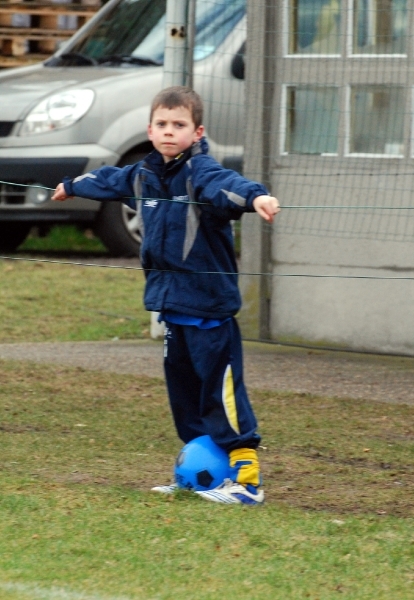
[(201, 465)]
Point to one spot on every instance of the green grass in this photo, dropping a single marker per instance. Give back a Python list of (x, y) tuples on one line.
[(79, 451), (63, 238), (51, 302)]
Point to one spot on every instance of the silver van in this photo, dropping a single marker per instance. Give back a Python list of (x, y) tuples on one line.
[(88, 105)]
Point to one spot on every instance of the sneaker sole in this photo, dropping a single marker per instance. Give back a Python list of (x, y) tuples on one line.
[(223, 499)]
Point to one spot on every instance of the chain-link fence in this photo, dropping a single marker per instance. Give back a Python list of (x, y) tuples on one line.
[(315, 98)]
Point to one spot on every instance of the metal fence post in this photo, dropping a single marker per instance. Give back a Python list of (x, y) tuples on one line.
[(254, 317), (178, 42)]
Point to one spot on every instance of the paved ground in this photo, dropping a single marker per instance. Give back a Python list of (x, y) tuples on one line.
[(267, 366)]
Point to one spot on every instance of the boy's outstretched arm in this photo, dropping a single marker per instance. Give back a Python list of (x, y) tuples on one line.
[(105, 183), (267, 207)]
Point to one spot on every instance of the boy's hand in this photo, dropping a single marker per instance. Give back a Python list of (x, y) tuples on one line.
[(267, 207), (60, 194)]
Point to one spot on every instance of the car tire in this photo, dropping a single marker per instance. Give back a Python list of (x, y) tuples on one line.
[(12, 234), (116, 223), (116, 227)]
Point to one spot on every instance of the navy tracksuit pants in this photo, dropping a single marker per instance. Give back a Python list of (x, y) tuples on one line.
[(204, 375)]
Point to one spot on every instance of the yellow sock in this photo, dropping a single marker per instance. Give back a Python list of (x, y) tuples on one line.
[(244, 466)]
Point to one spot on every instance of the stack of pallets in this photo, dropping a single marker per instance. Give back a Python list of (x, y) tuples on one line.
[(30, 31)]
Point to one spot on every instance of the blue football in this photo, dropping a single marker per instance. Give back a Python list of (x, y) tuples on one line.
[(201, 465)]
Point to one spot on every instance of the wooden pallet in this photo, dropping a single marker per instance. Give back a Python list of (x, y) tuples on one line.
[(31, 28), (11, 62)]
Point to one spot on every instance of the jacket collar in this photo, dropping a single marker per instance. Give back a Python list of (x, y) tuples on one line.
[(200, 147), (156, 163)]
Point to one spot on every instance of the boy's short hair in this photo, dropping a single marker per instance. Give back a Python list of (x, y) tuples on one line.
[(180, 95)]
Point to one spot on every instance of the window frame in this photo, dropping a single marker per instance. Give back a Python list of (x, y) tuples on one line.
[(350, 34), (348, 129), (287, 10), (284, 120)]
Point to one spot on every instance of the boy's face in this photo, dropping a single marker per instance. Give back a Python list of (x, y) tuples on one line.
[(172, 131)]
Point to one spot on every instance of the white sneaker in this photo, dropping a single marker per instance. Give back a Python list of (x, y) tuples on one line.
[(230, 492), (165, 489)]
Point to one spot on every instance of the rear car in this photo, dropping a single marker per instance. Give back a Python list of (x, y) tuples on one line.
[(88, 106)]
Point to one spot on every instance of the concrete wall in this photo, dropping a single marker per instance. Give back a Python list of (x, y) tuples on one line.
[(340, 274)]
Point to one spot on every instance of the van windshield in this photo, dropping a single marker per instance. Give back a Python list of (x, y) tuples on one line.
[(133, 32)]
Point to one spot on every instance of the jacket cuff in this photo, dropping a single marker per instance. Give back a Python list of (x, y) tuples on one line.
[(67, 184), (259, 190)]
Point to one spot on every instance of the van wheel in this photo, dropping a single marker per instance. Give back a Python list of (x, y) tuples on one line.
[(116, 224), (117, 228), (12, 235)]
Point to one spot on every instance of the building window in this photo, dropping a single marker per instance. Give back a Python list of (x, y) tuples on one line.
[(377, 120), (311, 120), (380, 27), (314, 27)]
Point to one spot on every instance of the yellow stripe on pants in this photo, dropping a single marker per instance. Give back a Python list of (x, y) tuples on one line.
[(229, 399)]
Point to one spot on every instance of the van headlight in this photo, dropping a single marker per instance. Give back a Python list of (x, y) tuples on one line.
[(58, 111)]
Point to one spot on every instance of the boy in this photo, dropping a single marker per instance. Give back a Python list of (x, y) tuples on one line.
[(185, 204)]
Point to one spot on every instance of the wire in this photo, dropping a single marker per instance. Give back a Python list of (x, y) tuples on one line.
[(289, 206), (235, 273)]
